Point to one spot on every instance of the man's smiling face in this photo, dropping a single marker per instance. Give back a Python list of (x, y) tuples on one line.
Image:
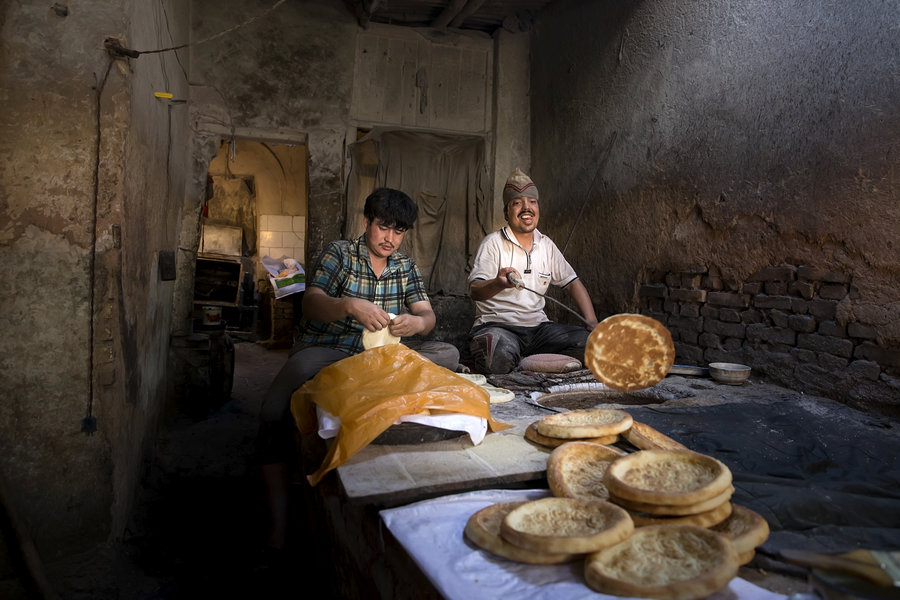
[(522, 214)]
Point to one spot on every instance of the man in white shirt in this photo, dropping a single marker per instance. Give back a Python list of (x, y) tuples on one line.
[(511, 323)]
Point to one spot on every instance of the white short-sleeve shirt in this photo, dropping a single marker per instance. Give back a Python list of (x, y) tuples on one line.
[(540, 268)]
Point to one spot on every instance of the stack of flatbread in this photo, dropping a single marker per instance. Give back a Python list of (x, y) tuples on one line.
[(671, 486), (498, 395), (668, 562), (549, 530), (678, 534), (598, 425)]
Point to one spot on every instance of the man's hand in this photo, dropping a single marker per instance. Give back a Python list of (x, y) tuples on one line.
[(406, 325), (372, 316), (488, 288), (320, 306), (503, 276)]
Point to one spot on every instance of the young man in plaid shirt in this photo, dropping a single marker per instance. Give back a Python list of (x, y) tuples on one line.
[(354, 286)]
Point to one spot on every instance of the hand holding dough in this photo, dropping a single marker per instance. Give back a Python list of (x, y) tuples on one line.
[(382, 337)]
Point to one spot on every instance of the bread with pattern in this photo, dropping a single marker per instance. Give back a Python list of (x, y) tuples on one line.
[(629, 352), (566, 525), (666, 562), (483, 530)]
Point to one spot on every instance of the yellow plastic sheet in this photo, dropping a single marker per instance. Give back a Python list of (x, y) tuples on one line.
[(371, 390)]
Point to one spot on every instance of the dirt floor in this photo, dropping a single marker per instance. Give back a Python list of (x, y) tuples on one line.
[(199, 524)]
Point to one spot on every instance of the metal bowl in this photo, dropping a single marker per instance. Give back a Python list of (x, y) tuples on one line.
[(729, 373)]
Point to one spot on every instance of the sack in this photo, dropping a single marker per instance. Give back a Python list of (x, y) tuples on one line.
[(285, 274), (369, 391)]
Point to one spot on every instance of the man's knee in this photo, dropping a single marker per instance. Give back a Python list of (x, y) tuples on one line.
[(440, 353), (496, 350)]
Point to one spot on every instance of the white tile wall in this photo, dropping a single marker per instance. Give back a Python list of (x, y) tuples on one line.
[(283, 235)]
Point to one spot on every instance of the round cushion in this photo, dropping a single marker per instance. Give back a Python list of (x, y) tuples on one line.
[(549, 363)]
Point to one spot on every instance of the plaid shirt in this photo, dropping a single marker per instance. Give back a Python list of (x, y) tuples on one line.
[(343, 271)]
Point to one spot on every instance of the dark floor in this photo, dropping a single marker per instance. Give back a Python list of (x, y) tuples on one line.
[(199, 528), (199, 524)]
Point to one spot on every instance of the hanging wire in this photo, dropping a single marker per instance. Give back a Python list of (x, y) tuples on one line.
[(136, 53)]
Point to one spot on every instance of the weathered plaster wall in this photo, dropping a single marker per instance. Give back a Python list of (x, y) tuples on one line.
[(512, 112), (89, 162), (744, 135), (288, 71), (284, 76)]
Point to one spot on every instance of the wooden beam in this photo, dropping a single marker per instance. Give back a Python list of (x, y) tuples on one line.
[(449, 12), (471, 7)]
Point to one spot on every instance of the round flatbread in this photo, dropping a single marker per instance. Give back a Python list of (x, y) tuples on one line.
[(566, 525), (667, 562), (476, 378), (673, 510), (532, 434), (499, 395), (746, 528), (707, 518), (483, 530), (644, 437), (382, 337), (629, 352), (575, 470), (669, 477), (585, 423)]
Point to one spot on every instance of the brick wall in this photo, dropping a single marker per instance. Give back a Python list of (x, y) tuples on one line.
[(785, 322)]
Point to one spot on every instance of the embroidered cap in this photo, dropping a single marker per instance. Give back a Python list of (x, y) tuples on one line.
[(519, 185)]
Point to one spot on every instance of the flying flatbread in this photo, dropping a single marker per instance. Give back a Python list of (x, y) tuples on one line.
[(629, 352)]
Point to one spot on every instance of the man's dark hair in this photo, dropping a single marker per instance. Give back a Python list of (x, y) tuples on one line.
[(392, 208)]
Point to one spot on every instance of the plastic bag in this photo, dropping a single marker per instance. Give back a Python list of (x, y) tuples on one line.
[(285, 274), (371, 390)]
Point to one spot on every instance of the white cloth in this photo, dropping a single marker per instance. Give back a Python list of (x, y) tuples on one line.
[(543, 266), (476, 427), (431, 531)]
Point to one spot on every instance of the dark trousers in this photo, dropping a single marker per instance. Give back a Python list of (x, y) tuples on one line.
[(499, 347)]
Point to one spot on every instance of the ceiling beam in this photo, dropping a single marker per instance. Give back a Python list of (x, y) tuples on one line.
[(450, 11), (471, 7)]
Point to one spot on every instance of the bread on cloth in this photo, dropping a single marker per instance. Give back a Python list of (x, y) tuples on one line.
[(644, 437), (483, 530), (499, 395), (669, 477), (666, 562), (673, 509), (532, 434), (476, 378), (629, 352), (707, 518), (549, 363), (566, 525), (575, 469), (747, 530), (585, 423)]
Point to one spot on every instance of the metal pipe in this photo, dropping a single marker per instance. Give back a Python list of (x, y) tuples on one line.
[(520, 285)]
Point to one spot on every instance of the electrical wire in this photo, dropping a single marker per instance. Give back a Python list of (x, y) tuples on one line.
[(215, 36), (89, 423)]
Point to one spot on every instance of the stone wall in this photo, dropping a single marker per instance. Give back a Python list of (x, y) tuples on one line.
[(744, 135), (792, 324)]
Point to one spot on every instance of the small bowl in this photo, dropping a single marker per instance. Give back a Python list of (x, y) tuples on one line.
[(729, 373)]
